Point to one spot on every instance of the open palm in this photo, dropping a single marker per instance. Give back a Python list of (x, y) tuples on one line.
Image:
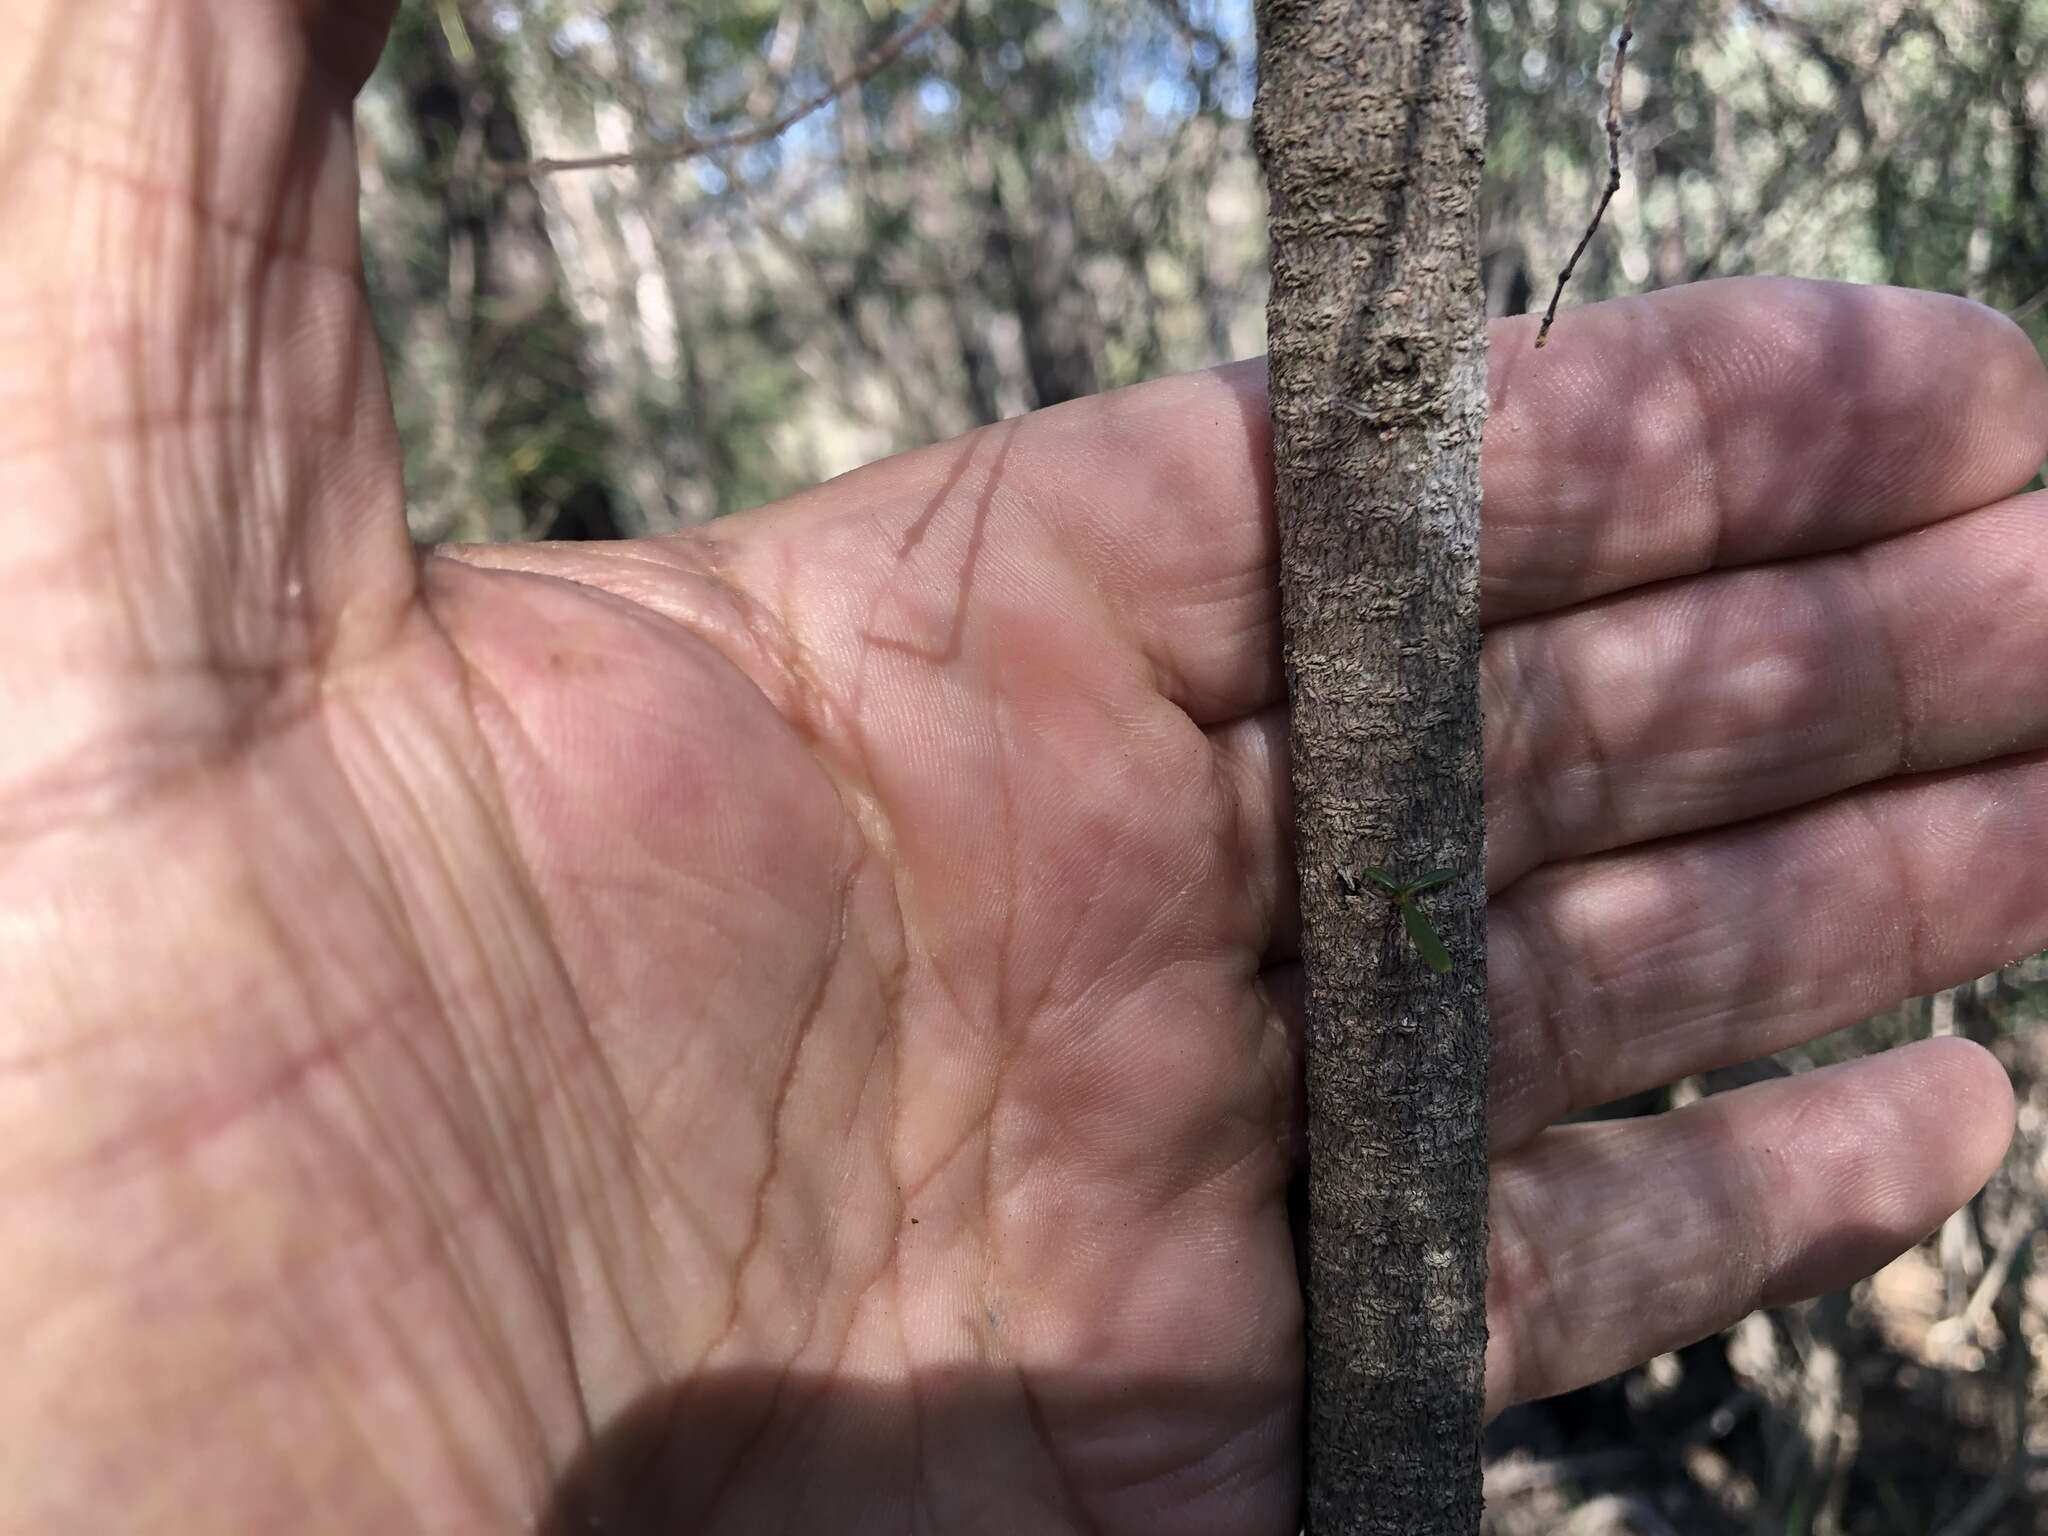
[(793, 1026)]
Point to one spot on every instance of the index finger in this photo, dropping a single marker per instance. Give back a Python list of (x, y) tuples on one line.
[(199, 471), (1738, 421), (1717, 423)]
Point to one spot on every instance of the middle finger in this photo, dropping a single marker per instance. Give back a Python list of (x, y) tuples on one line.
[(1729, 696), (1722, 699)]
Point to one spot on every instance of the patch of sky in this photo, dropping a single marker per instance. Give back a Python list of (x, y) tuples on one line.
[(815, 134), (583, 30), (1169, 98), (1101, 123), (1150, 72), (1230, 20), (937, 98)]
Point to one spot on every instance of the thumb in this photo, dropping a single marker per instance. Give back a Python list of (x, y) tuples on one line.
[(199, 475), (346, 36)]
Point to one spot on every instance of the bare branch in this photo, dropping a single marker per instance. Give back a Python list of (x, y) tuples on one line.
[(1984, 1508), (2022, 311), (1628, 26), (689, 146)]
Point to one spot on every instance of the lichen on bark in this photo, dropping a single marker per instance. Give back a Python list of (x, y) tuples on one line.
[(1370, 127)]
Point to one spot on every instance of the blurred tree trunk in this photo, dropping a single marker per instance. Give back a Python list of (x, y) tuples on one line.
[(1035, 247), (1025, 181), (1370, 126), (611, 269), (467, 315)]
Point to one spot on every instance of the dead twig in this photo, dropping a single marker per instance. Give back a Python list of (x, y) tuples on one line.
[(1628, 30), (1982, 1509), (2019, 1231), (689, 146), (1966, 1325), (1516, 1478), (1618, 1514), (2022, 311)]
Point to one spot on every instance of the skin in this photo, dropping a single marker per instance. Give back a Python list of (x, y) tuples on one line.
[(794, 1026)]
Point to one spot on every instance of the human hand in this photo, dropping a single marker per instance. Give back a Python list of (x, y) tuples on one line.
[(794, 1025)]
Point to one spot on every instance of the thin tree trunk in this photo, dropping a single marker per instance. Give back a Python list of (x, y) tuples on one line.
[(1370, 126)]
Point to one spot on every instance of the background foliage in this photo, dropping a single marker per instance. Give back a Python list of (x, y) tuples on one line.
[(1042, 198)]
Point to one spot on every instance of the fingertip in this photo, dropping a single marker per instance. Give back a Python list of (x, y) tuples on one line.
[(1971, 1096), (2018, 376), (1895, 1142), (1617, 1241), (2000, 444)]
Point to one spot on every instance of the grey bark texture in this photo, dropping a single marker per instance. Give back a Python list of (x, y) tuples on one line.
[(1371, 128)]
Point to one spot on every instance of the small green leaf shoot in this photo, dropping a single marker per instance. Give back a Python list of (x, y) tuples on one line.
[(1381, 877), (1429, 881), (1427, 944)]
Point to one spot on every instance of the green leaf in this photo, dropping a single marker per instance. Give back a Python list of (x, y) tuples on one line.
[(1430, 881), (1380, 877), (1427, 944)]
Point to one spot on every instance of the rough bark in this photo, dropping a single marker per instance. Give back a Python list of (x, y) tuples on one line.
[(1370, 126)]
